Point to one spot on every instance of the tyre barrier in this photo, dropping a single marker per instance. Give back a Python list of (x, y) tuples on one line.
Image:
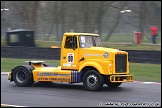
[(136, 56)]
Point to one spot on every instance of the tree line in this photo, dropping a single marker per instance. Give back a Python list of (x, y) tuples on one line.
[(50, 18)]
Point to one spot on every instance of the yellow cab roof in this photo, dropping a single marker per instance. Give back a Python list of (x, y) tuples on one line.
[(73, 33)]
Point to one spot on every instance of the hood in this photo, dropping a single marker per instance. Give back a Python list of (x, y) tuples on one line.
[(100, 52), (104, 49)]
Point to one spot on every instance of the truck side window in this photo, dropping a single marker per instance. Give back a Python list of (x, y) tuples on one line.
[(69, 40)]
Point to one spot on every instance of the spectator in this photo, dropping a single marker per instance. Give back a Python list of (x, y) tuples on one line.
[(153, 30)]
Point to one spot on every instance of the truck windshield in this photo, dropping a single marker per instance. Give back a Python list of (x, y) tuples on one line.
[(89, 41)]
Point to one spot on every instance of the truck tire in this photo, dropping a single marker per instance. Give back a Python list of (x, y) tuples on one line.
[(21, 76), (111, 84), (92, 80), (48, 65)]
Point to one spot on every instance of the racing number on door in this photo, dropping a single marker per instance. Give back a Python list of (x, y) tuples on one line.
[(70, 57)]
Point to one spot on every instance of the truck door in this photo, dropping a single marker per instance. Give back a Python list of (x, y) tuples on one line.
[(69, 53)]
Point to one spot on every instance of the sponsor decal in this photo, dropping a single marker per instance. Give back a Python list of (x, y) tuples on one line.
[(106, 55), (47, 74), (73, 65), (92, 54), (67, 64), (51, 74), (64, 74), (54, 79)]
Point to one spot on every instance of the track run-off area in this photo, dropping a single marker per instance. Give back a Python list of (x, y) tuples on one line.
[(135, 93)]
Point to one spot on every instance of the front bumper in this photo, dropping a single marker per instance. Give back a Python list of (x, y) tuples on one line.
[(121, 78)]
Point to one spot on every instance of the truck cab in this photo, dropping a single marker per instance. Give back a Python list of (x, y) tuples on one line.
[(82, 59), (73, 46)]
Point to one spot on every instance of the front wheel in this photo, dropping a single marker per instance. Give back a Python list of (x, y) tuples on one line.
[(92, 80), (21, 76)]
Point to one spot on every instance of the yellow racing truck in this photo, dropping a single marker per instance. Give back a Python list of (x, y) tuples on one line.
[(82, 59)]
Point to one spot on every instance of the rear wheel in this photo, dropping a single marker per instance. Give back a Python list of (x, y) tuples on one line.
[(92, 80), (22, 77)]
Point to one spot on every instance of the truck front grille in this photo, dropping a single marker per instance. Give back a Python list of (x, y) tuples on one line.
[(120, 63)]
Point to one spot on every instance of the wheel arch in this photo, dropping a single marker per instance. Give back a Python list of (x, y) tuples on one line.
[(85, 69), (91, 66)]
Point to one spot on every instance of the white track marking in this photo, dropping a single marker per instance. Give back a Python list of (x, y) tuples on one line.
[(12, 105)]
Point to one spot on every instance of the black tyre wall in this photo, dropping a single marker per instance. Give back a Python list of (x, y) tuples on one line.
[(99, 77)]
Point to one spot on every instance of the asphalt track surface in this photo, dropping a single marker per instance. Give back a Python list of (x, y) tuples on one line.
[(74, 95)]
